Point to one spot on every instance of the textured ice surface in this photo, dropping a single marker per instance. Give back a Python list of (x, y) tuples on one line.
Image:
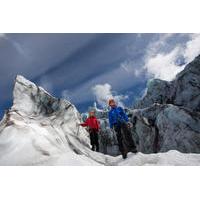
[(42, 130)]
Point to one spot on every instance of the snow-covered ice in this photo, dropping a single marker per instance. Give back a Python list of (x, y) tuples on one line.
[(170, 158)]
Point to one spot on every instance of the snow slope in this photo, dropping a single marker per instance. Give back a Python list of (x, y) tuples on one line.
[(40, 129), (170, 158)]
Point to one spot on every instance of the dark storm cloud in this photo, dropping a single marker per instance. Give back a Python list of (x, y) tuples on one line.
[(32, 54), (99, 56)]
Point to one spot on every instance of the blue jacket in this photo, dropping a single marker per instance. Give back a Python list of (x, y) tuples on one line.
[(116, 116)]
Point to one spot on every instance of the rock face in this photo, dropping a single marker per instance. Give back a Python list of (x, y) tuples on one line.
[(186, 90), (168, 116), (40, 129), (179, 128), (159, 91), (183, 91)]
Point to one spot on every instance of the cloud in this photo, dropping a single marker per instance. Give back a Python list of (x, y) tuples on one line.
[(192, 47), (16, 45), (163, 66), (156, 46), (2, 35), (103, 92), (130, 68), (166, 64), (20, 49)]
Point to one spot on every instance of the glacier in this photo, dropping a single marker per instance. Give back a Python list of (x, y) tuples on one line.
[(42, 130)]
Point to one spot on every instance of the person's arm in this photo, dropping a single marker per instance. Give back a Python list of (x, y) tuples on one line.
[(85, 123), (124, 115), (110, 120), (98, 124)]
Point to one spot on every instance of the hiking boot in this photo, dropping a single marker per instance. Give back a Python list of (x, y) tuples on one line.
[(134, 151), (124, 155), (93, 148)]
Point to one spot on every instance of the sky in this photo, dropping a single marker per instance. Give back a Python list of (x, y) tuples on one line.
[(84, 68)]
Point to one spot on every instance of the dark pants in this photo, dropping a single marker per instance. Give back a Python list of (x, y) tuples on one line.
[(124, 137), (94, 139)]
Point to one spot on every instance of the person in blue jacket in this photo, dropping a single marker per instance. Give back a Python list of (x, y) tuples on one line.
[(119, 122)]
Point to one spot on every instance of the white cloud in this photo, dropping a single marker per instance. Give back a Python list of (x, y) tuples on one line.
[(163, 65), (103, 92), (154, 47), (129, 67), (192, 47), (155, 62)]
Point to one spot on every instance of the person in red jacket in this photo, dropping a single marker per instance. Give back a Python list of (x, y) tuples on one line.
[(94, 126)]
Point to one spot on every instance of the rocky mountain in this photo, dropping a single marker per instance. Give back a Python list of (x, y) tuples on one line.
[(168, 116)]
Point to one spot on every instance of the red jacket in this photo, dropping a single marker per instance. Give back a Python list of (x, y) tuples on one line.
[(91, 122)]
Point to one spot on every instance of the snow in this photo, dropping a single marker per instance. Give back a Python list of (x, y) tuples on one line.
[(170, 158)]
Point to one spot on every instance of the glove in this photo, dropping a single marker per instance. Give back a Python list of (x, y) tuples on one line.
[(130, 125)]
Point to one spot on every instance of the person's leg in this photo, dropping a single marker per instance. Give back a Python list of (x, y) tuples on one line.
[(128, 139), (120, 141), (92, 139), (97, 141)]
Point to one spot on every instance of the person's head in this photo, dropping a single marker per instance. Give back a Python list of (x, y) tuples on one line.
[(91, 113), (112, 103)]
